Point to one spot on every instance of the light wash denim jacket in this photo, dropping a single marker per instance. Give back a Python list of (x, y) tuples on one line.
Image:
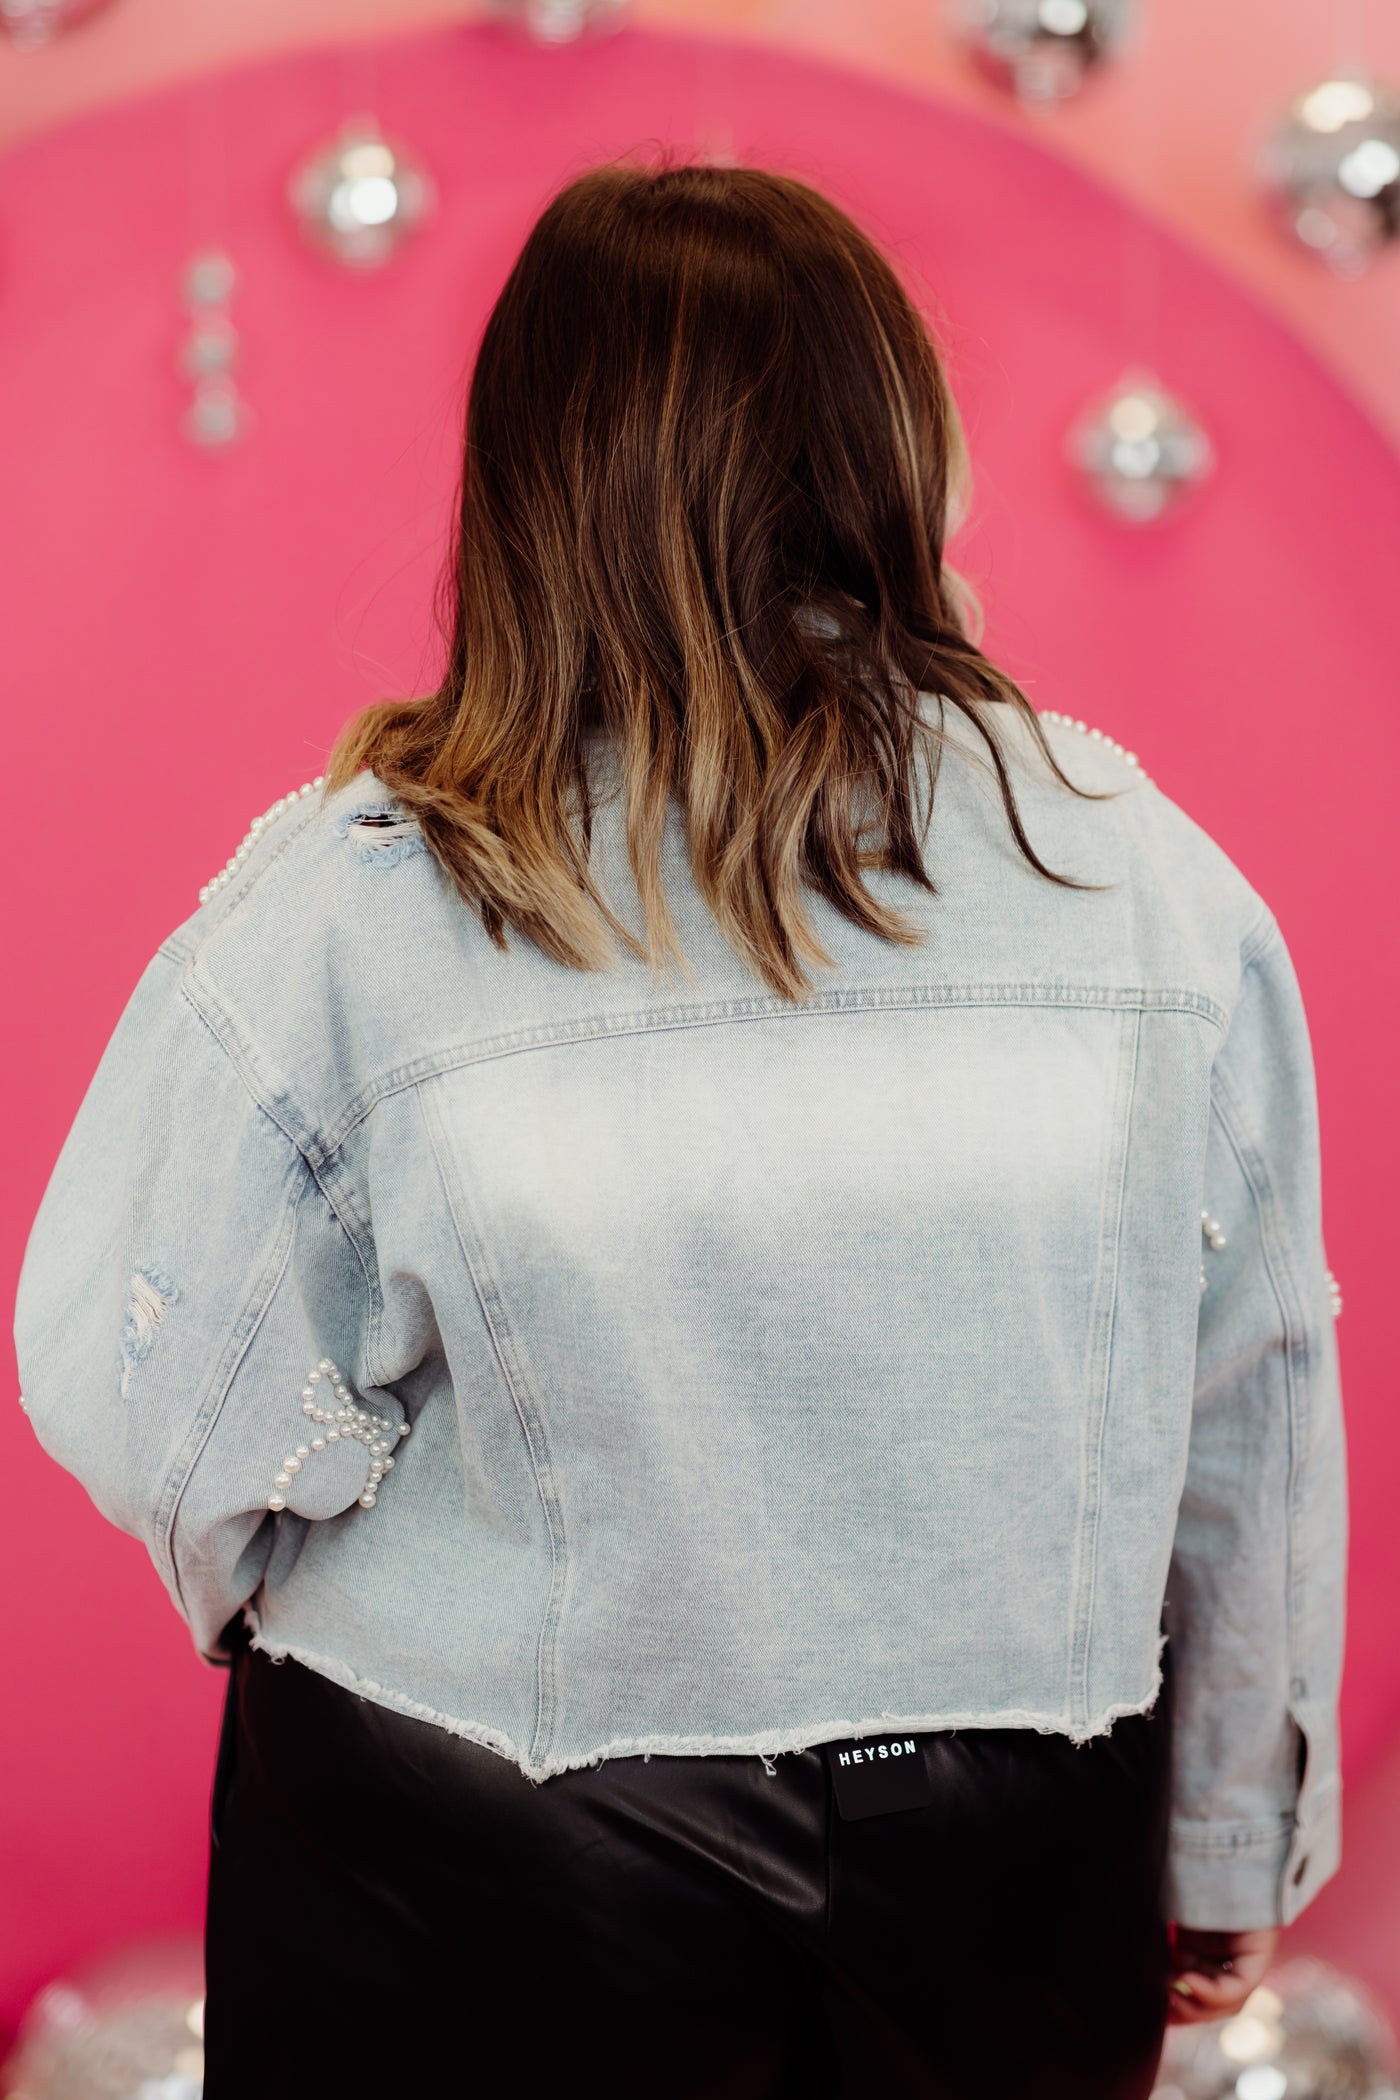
[(773, 1373)]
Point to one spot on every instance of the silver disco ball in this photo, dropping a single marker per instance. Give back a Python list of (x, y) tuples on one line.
[(1043, 50), (216, 415), (358, 197), (1139, 450), (127, 2027), (1331, 171), (561, 21), (28, 23), (1306, 2033)]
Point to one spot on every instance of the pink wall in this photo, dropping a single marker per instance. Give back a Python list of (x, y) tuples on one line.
[(185, 633), (1173, 125)]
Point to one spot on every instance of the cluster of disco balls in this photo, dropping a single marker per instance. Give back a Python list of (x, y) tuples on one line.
[(1306, 2033), (1330, 168)]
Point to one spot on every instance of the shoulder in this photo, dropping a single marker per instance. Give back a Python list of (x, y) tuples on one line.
[(1179, 900), (299, 850), (1165, 844), (328, 909)]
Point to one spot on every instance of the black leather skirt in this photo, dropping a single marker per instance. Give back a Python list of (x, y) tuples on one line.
[(398, 1912)]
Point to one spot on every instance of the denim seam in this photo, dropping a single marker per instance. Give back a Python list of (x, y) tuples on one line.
[(508, 1356), (240, 1340), (1220, 1840), (457, 1057), (1227, 1840), (241, 1055), (1257, 938), (772, 1742), (320, 1145), (342, 1197), (257, 865), (1091, 1474), (1295, 1362)]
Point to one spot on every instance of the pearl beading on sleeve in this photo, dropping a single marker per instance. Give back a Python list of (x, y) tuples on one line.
[(1214, 1238), (346, 1420), (1094, 736), (251, 835)]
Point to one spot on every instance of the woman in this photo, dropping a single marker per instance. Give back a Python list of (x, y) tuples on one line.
[(859, 1607)]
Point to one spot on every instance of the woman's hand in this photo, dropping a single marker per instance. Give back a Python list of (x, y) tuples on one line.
[(1214, 1972)]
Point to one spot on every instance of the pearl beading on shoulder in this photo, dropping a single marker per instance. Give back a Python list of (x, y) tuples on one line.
[(1095, 736), (347, 1419), (250, 837), (1214, 1238), (1334, 1294)]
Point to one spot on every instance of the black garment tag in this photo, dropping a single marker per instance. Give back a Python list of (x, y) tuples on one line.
[(878, 1774)]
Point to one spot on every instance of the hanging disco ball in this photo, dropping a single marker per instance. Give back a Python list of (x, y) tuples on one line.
[(216, 415), (1331, 171), (359, 196), (561, 21), (1307, 2033), (29, 23), (1139, 450), (128, 2027), (1043, 50)]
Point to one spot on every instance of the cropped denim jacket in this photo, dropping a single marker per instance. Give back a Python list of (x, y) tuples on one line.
[(602, 1363)]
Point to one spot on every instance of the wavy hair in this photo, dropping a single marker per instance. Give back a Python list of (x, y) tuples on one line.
[(711, 462)]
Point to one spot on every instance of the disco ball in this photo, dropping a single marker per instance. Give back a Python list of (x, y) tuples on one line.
[(561, 21), (1139, 450), (130, 2027), (1043, 50), (1331, 171), (1306, 2033), (358, 197), (28, 23)]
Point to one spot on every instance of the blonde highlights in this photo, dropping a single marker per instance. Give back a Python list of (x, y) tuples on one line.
[(711, 461)]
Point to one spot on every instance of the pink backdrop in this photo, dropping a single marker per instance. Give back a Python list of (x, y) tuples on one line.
[(185, 633)]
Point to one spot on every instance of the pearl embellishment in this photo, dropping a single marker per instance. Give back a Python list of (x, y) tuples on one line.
[(1214, 1237), (347, 1419), (1334, 1293), (1095, 736), (251, 835)]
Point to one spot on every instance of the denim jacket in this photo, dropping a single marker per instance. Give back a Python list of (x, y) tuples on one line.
[(602, 1363)]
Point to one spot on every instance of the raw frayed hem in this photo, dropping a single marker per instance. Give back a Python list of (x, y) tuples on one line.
[(769, 1744)]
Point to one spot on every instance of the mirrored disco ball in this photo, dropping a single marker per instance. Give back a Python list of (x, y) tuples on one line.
[(560, 21), (1307, 2033), (358, 197), (1139, 449), (128, 2028), (1331, 171), (31, 22), (1043, 50)]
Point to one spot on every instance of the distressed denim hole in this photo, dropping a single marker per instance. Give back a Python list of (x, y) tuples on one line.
[(149, 1296), (381, 833)]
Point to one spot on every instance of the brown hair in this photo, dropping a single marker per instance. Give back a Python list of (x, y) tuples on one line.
[(711, 461)]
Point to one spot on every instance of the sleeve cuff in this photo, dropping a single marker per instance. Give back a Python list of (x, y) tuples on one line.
[(1238, 1877)]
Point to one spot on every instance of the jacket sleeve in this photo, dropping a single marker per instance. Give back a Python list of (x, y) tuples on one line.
[(1256, 1590), (185, 1285)]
